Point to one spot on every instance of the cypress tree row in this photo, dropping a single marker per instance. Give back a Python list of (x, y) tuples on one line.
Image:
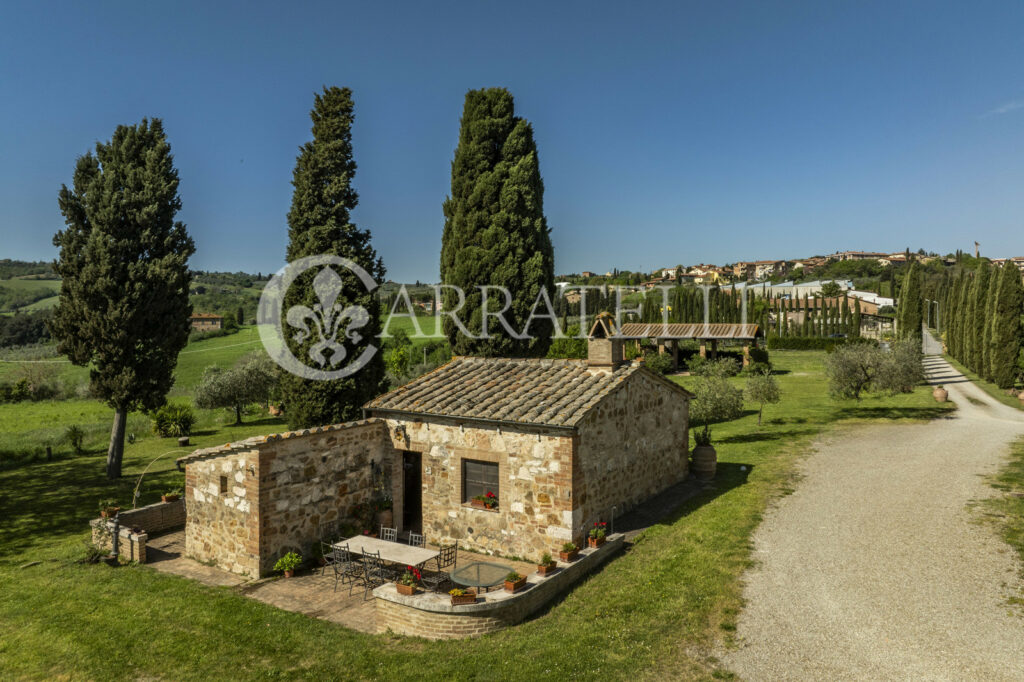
[(1007, 335), (910, 313), (855, 319), (986, 339), (319, 223), (977, 311), (495, 232), (124, 309)]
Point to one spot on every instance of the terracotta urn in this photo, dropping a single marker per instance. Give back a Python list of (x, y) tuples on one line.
[(289, 573), (386, 518), (940, 394)]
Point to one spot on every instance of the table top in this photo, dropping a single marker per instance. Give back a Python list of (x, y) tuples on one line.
[(395, 552), (480, 574)]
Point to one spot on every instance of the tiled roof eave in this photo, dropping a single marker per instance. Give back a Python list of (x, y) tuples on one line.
[(384, 412)]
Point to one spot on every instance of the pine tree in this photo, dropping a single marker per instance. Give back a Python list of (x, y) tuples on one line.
[(910, 314), (123, 309), (495, 232), (1007, 335), (319, 222)]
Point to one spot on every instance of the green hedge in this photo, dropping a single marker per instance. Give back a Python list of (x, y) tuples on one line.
[(810, 342)]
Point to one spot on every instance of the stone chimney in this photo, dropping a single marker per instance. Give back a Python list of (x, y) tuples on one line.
[(604, 348)]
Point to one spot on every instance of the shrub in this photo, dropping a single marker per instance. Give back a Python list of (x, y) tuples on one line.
[(75, 436), (289, 562), (658, 362), (173, 421), (857, 368), (761, 389)]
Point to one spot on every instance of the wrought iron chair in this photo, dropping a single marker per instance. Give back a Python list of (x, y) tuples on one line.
[(416, 540), (329, 532), (444, 563), (375, 573), (327, 552), (346, 569), (390, 534)]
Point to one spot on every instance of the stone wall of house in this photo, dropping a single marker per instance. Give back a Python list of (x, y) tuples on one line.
[(534, 495), (222, 512), (633, 445), (316, 478)]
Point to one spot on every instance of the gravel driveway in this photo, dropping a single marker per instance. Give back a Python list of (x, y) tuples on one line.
[(875, 568)]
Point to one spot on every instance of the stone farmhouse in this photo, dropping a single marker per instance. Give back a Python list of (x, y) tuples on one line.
[(205, 322), (561, 444)]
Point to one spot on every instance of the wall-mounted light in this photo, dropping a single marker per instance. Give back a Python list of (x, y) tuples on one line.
[(252, 469)]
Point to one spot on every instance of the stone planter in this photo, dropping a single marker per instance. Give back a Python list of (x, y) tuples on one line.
[(110, 512), (595, 542), (569, 556), (168, 498), (468, 598), (183, 441), (940, 394), (544, 570), (511, 586), (705, 461), (407, 590)]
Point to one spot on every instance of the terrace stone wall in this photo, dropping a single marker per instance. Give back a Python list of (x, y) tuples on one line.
[(535, 502), (633, 445)]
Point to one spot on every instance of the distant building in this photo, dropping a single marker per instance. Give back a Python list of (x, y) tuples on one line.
[(587, 273), (1018, 261), (205, 322), (860, 255), (759, 269)]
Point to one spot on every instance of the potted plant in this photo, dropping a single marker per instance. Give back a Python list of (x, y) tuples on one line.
[(569, 552), (940, 394), (597, 534), (288, 563), (514, 581), (715, 400), (705, 457), (109, 509), (547, 565), (409, 580), (171, 496), (461, 596), (486, 501)]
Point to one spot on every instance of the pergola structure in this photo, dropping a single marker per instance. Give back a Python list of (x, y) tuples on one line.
[(707, 334)]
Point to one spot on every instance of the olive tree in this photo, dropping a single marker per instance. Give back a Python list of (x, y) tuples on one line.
[(715, 400), (762, 388), (251, 380), (858, 368)]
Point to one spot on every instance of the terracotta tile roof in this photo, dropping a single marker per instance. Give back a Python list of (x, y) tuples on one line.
[(206, 316), (651, 330), (523, 391)]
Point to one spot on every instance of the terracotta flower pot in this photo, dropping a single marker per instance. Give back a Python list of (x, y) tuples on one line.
[(569, 556), (468, 598), (110, 512), (595, 542), (511, 586), (940, 394), (705, 461), (168, 498), (289, 573), (407, 590), (544, 570)]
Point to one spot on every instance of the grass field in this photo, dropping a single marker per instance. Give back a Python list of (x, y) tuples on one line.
[(1008, 508), (653, 613)]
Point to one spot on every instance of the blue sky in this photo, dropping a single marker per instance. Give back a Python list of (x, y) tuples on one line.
[(668, 132)]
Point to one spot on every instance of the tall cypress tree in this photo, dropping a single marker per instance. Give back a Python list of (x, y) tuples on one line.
[(319, 222), (910, 314), (855, 319), (495, 232), (961, 316), (1007, 335), (980, 318), (972, 321), (986, 338), (123, 262)]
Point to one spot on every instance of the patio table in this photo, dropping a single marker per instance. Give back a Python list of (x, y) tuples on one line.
[(480, 574), (393, 552)]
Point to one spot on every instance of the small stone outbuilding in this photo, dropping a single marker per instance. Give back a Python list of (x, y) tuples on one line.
[(561, 444)]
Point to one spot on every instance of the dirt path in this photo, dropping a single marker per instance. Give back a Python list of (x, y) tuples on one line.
[(876, 568)]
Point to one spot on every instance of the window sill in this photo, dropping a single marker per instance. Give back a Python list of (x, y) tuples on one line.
[(493, 510)]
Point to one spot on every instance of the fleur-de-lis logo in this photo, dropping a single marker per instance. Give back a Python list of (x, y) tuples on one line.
[(327, 318), (326, 323)]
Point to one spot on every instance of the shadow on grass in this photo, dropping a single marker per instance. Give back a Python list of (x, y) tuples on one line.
[(894, 413), (763, 436)]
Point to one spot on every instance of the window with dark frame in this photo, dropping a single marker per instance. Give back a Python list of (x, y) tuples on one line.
[(478, 478)]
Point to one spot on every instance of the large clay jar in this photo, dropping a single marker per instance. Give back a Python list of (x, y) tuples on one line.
[(940, 394), (1021, 396), (705, 460), (386, 518)]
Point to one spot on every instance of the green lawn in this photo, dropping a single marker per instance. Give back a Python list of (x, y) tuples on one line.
[(653, 613), (1008, 508)]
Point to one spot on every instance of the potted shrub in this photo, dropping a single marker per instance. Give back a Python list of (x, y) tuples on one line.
[(109, 509), (461, 596), (170, 496), (409, 580), (514, 581), (940, 394), (288, 563), (705, 457), (569, 552), (486, 501), (597, 534), (714, 401), (546, 566)]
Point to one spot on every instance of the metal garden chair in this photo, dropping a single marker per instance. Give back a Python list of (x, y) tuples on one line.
[(346, 569), (416, 540), (390, 534), (444, 563)]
